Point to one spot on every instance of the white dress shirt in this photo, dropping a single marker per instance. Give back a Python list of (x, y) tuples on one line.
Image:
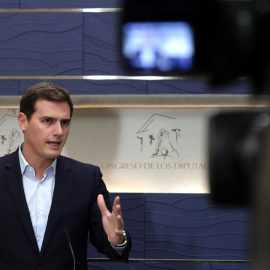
[(38, 194)]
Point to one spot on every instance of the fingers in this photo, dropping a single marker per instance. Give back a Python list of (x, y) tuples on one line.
[(103, 208), (119, 219), (113, 223), (116, 214), (117, 206)]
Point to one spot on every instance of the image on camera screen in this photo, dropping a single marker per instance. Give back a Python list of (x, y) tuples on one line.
[(160, 46)]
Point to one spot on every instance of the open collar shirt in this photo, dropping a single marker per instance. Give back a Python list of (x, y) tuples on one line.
[(38, 194)]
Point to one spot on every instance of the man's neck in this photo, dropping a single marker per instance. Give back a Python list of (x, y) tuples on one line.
[(38, 164)]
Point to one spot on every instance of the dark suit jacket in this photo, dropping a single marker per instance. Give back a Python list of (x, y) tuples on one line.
[(74, 206)]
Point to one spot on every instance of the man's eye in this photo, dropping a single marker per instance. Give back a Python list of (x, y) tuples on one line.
[(47, 121), (65, 123)]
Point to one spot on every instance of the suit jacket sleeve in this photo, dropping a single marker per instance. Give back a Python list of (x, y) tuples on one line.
[(98, 236)]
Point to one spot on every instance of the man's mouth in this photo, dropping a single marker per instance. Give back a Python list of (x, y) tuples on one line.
[(54, 143)]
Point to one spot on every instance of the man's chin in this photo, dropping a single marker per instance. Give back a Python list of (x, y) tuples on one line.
[(53, 155)]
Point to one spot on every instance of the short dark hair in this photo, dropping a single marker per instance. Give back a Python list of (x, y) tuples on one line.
[(47, 91)]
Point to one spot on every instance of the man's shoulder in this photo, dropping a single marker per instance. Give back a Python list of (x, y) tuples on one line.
[(75, 164), (9, 157), (77, 169)]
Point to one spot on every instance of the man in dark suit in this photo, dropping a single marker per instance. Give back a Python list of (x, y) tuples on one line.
[(50, 204)]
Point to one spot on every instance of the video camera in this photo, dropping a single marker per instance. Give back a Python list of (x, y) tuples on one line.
[(222, 40)]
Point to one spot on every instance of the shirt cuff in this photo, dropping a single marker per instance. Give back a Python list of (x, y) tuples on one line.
[(120, 248)]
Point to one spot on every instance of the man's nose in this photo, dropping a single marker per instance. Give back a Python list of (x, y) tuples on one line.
[(58, 129)]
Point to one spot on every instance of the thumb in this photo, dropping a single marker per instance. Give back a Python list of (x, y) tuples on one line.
[(101, 204)]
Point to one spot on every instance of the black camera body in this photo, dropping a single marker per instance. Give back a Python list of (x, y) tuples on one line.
[(223, 40), (235, 141)]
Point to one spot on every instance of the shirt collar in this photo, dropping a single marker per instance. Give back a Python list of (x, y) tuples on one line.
[(24, 163)]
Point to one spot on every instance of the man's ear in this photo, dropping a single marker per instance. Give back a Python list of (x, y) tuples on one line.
[(22, 119)]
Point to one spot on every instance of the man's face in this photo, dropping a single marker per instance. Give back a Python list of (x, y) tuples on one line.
[(46, 132)]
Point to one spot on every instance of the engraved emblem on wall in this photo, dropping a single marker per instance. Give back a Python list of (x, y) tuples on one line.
[(10, 134), (159, 141)]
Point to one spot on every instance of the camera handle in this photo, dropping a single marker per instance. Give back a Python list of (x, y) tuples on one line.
[(261, 203)]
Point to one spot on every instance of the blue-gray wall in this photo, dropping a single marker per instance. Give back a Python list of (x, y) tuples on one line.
[(75, 44)]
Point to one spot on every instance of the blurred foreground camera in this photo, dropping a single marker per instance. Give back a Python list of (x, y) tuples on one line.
[(221, 39), (235, 140)]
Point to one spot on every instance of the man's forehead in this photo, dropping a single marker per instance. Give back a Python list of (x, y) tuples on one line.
[(52, 108)]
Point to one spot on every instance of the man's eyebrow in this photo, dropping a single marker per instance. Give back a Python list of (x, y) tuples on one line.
[(47, 117), (66, 119), (54, 118)]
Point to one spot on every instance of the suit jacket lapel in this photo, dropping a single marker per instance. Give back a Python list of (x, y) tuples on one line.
[(13, 178), (62, 189)]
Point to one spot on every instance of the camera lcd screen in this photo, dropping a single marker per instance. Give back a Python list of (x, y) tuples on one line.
[(163, 46)]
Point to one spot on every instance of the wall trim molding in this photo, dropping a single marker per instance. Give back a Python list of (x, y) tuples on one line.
[(46, 10), (156, 101)]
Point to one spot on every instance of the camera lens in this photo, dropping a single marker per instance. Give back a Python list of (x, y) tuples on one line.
[(234, 144)]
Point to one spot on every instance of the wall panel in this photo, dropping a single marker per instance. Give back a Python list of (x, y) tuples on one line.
[(102, 45), (127, 87), (197, 86), (40, 44), (94, 87), (189, 226), (33, 4), (9, 4), (9, 87)]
